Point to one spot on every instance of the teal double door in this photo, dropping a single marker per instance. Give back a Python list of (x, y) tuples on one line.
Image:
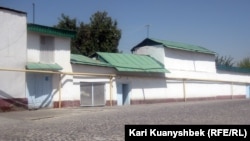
[(39, 90)]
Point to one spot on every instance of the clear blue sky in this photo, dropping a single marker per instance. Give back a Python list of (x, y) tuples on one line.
[(219, 25)]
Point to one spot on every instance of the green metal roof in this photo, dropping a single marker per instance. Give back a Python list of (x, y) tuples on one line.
[(174, 45), (132, 62), (43, 66), (51, 30), (80, 59)]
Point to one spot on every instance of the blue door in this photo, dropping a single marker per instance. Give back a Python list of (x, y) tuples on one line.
[(123, 94), (248, 92), (119, 94), (39, 89)]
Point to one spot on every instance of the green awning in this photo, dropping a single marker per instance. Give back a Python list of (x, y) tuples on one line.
[(43, 66)]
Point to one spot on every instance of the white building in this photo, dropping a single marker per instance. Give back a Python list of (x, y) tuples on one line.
[(38, 71), (13, 44), (193, 72), (48, 49), (124, 78)]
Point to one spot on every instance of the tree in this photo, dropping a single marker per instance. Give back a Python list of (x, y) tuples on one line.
[(65, 22), (101, 34), (224, 61), (104, 33), (244, 63)]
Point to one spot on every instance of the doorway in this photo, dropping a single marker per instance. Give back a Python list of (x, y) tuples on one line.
[(248, 92), (92, 94), (123, 94), (39, 90)]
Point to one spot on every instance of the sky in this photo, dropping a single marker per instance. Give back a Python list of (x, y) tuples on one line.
[(222, 26)]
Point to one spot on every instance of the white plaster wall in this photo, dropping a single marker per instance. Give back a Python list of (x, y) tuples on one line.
[(157, 88), (239, 89), (62, 57), (143, 88), (13, 44), (189, 61), (206, 89), (62, 53), (229, 77), (13, 39), (215, 84), (148, 88), (33, 45), (205, 62), (174, 89)]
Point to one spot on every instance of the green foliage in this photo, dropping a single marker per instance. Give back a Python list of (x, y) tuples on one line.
[(65, 22), (244, 63), (101, 34), (224, 61)]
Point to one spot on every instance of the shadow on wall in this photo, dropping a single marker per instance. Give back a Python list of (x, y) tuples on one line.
[(41, 92), (9, 103), (64, 103)]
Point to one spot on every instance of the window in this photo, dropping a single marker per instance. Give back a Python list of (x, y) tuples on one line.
[(47, 49)]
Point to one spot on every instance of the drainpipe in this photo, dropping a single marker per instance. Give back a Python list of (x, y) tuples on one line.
[(232, 90), (60, 91), (184, 90), (110, 89)]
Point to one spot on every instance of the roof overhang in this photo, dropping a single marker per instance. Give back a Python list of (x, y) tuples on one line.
[(43, 66), (51, 30)]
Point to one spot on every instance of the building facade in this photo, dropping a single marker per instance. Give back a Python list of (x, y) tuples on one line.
[(37, 71), (193, 72)]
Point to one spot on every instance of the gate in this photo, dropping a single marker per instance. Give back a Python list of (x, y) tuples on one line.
[(92, 94), (39, 89)]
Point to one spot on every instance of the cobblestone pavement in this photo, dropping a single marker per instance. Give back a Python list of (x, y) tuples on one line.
[(107, 123)]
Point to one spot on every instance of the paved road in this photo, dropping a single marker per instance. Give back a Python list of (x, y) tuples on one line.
[(107, 123)]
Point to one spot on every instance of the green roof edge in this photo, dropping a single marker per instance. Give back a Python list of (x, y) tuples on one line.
[(51, 30), (184, 46)]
